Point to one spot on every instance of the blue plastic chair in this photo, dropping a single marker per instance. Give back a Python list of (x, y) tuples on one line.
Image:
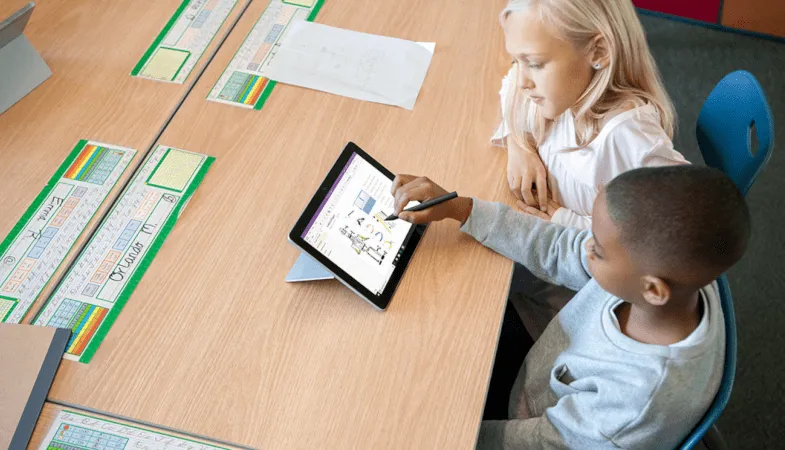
[(706, 429), (724, 128), (724, 137)]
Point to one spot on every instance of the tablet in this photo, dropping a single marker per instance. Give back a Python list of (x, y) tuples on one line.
[(343, 228)]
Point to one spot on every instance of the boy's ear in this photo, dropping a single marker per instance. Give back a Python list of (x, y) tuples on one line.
[(599, 52), (655, 290)]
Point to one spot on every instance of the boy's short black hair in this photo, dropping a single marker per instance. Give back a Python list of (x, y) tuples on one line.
[(680, 217)]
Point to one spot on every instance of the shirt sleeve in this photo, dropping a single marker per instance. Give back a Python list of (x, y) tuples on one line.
[(637, 141), (499, 138), (662, 154), (551, 252), (568, 424), (569, 218)]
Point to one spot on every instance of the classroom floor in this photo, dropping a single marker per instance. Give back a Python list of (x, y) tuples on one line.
[(692, 60)]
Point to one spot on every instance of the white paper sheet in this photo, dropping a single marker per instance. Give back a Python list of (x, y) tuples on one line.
[(358, 65)]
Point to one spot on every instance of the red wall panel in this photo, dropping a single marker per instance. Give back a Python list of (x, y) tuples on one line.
[(704, 10)]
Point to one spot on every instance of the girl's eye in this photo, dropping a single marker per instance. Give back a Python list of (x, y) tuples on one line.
[(535, 66), (593, 250)]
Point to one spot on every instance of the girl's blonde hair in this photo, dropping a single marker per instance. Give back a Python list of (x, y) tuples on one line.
[(631, 76)]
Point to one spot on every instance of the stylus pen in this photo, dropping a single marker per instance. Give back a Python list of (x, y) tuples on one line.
[(427, 204)]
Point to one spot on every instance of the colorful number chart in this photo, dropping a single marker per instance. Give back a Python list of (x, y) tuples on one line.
[(242, 84), (99, 283), (48, 230), (75, 431), (176, 50)]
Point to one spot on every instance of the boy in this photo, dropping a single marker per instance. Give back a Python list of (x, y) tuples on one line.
[(635, 358)]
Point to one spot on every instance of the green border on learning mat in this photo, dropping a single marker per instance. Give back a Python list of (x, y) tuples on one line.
[(157, 41), (184, 61), (39, 199), (296, 3), (42, 196), (155, 169), (10, 310), (149, 53), (271, 84), (149, 430), (144, 264), (93, 236)]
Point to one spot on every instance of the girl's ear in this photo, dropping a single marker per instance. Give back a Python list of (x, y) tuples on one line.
[(599, 52)]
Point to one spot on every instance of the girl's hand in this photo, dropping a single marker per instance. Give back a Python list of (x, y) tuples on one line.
[(527, 176), (408, 188), (550, 209)]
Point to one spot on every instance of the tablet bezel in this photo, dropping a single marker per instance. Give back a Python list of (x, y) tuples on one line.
[(381, 301)]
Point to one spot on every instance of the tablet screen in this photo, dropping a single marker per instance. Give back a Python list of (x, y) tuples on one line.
[(349, 227)]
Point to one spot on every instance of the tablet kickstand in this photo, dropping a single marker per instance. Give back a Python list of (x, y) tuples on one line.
[(307, 269), (21, 67)]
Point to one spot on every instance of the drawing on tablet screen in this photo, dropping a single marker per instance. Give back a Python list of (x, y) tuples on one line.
[(360, 246), (365, 202), (350, 229)]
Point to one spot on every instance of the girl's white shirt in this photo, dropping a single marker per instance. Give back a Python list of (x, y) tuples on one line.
[(629, 140)]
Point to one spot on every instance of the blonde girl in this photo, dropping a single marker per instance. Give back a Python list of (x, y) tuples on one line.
[(582, 103)]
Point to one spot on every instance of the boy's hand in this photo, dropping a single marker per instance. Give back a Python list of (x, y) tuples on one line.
[(408, 188), (550, 209)]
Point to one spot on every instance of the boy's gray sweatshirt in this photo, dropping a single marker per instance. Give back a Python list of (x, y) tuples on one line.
[(584, 384)]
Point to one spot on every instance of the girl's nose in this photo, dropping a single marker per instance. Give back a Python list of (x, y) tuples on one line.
[(523, 79)]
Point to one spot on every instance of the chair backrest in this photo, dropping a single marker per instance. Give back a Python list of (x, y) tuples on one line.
[(734, 107), (728, 371)]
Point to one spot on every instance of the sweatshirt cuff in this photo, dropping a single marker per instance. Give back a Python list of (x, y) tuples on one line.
[(480, 220)]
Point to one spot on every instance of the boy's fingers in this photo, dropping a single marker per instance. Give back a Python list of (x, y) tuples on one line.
[(411, 217), (401, 180), (416, 217), (536, 213), (398, 205), (400, 195), (415, 190), (395, 184), (533, 211), (420, 193), (522, 206)]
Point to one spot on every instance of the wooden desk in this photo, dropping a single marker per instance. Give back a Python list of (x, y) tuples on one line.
[(91, 47), (49, 413), (214, 341)]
